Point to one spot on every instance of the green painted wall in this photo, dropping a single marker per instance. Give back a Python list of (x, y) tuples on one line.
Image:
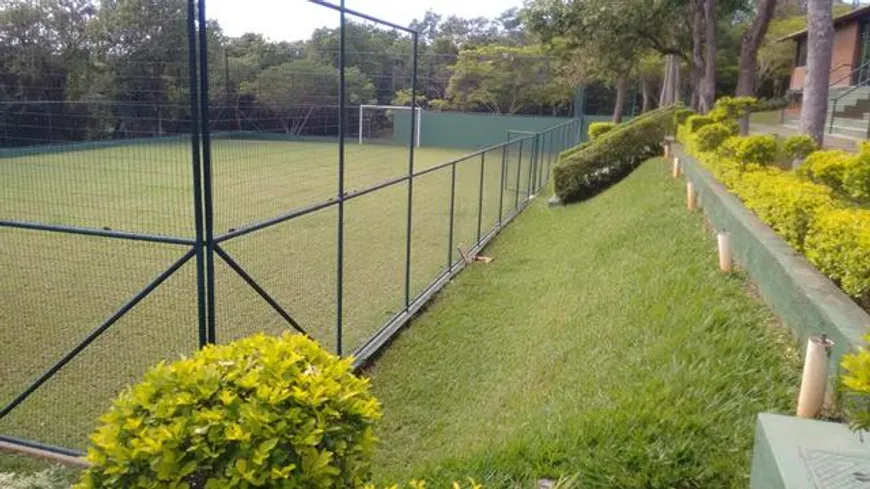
[(807, 301), (472, 131)]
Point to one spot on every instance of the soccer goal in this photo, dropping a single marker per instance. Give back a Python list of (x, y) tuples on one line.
[(377, 123)]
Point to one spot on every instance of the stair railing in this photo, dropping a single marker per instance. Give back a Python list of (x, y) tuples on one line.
[(861, 82), (839, 66)]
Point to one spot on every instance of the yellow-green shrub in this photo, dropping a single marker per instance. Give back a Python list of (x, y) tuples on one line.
[(855, 387), (827, 167), (747, 150), (839, 245), (710, 137), (596, 129), (681, 115), (799, 147), (731, 108), (787, 203), (695, 122), (856, 181), (262, 411)]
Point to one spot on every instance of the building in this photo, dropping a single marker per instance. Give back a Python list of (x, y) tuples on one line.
[(849, 78), (851, 51)]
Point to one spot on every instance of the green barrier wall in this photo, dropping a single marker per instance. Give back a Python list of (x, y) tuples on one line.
[(807, 301), (439, 129), (467, 130)]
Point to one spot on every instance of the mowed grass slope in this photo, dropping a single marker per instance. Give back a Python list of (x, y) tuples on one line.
[(57, 287), (602, 341)]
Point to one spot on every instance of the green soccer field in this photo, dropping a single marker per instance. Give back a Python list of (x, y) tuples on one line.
[(57, 287)]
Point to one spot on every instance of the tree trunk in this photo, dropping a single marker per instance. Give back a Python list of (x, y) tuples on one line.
[(697, 68), (645, 92), (621, 93), (747, 78), (820, 29), (708, 85), (665, 94), (751, 40)]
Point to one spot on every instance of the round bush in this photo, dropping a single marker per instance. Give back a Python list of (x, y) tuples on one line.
[(708, 138), (259, 412), (828, 167), (856, 181), (695, 122), (799, 147), (750, 150), (596, 129)]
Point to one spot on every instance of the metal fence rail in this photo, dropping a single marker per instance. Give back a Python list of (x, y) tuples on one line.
[(464, 201)]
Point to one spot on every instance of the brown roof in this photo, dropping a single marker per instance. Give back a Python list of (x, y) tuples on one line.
[(848, 17)]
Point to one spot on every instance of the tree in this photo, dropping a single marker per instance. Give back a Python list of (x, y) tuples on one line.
[(504, 79), (775, 59), (403, 97), (708, 82), (820, 30), (750, 42), (595, 36), (294, 90), (649, 72), (141, 47)]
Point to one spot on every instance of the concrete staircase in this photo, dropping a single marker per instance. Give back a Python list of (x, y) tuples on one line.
[(852, 116)]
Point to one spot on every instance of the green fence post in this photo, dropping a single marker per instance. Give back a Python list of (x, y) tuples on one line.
[(519, 172), (450, 228), (502, 183), (480, 196)]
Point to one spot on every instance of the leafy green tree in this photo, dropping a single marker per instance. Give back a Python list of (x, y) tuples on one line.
[(403, 97), (504, 79), (294, 90)]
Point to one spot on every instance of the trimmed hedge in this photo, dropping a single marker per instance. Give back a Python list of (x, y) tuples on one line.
[(695, 122), (680, 116), (597, 129), (710, 137), (813, 208), (584, 172), (748, 150), (839, 245), (844, 172), (799, 147)]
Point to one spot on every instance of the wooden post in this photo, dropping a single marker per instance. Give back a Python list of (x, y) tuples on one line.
[(676, 167), (724, 251), (667, 147), (691, 197)]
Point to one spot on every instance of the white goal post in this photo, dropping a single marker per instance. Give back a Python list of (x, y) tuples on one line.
[(418, 110)]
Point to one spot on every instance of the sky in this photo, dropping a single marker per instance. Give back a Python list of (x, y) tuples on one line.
[(292, 20)]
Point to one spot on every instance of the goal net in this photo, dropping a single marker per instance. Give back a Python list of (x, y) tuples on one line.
[(388, 124)]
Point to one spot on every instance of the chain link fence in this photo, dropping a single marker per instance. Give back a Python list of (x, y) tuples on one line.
[(168, 200)]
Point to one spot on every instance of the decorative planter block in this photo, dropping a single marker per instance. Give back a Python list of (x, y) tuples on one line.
[(807, 301), (795, 453)]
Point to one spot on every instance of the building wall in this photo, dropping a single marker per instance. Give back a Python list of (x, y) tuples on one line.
[(845, 54), (798, 74), (844, 57)]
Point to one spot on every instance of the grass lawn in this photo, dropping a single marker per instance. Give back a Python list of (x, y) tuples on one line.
[(56, 288), (770, 118), (602, 341)]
